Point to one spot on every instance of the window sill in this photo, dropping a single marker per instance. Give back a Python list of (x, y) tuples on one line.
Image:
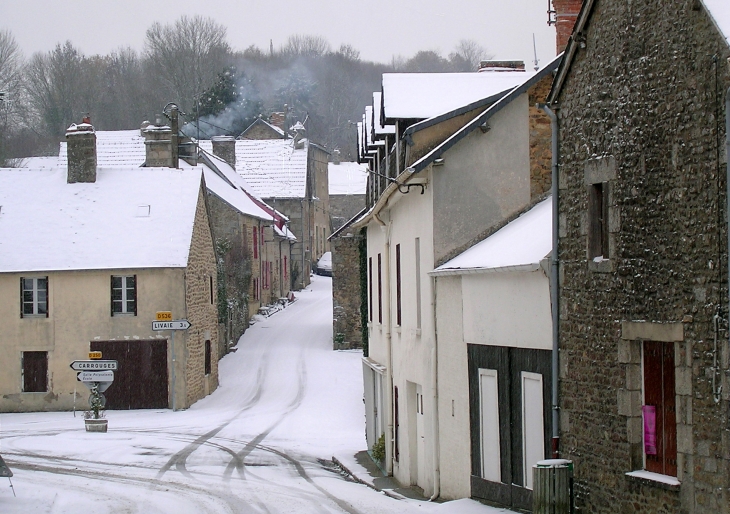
[(654, 480), (34, 316), (601, 266), (123, 314)]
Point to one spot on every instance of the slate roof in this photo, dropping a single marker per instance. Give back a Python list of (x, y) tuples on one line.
[(272, 168), (424, 95), (129, 218), (347, 178)]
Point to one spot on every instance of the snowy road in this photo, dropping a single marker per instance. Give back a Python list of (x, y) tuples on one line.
[(285, 405)]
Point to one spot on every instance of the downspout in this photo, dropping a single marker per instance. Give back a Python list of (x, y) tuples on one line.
[(727, 180), (435, 385), (554, 285), (390, 448)]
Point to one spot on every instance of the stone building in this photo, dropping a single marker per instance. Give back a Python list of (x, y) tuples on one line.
[(640, 98), (97, 251)]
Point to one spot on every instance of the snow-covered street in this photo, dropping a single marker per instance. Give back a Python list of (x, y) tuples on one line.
[(260, 443)]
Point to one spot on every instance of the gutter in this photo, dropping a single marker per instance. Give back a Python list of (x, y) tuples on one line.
[(554, 286)]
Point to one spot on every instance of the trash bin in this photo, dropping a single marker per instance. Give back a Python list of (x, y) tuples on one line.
[(552, 492)]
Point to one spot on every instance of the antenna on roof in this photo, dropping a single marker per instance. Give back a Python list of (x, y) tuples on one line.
[(534, 47)]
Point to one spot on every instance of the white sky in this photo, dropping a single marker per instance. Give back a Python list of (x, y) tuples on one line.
[(378, 28)]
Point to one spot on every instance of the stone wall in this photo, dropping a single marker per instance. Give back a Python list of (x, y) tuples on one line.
[(642, 112), (343, 208), (540, 140), (346, 290), (200, 299)]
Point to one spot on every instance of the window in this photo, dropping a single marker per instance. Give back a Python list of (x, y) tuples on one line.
[(660, 421), (35, 372), (255, 289), (397, 285), (598, 221), (255, 243), (370, 287), (380, 289), (207, 357), (124, 295), (210, 277), (396, 424), (286, 267), (34, 296)]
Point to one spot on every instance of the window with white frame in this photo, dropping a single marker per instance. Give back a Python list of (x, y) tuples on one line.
[(34, 296), (124, 295)]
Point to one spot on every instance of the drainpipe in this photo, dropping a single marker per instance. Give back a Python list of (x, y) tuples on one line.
[(390, 448), (554, 297), (435, 385)]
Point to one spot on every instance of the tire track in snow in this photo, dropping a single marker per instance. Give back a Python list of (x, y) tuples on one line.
[(179, 459)]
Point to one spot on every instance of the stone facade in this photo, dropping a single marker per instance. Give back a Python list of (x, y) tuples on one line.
[(81, 141), (343, 208), (641, 113), (259, 129), (200, 299), (346, 292)]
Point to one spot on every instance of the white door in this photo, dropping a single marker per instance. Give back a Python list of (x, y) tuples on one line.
[(489, 423), (533, 428)]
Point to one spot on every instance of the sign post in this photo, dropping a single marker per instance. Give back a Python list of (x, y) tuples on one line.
[(165, 322)]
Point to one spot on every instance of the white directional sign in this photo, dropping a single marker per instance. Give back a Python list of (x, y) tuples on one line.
[(178, 324), (95, 376), (93, 365)]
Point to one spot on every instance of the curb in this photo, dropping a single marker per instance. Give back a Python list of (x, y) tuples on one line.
[(387, 492)]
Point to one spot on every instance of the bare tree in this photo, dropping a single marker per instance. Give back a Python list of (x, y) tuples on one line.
[(11, 89), (467, 55), (186, 56), (306, 46)]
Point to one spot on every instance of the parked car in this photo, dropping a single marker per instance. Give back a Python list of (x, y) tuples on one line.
[(324, 265)]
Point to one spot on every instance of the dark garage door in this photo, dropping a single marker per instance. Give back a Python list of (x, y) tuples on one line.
[(141, 380)]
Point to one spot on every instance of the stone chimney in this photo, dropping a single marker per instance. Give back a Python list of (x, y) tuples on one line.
[(566, 14), (336, 156), (158, 144), (225, 148), (501, 66), (81, 152), (278, 119)]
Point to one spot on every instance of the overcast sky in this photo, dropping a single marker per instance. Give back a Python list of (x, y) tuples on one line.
[(378, 28)]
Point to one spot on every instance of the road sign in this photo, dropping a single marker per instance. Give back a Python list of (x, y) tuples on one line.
[(95, 376), (93, 365), (164, 316), (94, 355), (178, 324)]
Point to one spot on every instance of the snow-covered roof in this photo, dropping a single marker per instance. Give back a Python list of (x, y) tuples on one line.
[(518, 246), (368, 120), (126, 148), (720, 12), (273, 168), (114, 148), (423, 95), (260, 121), (377, 107), (129, 218), (347, 178), (39, 162)]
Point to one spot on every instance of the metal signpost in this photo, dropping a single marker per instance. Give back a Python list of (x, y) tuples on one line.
[(165, 322), (96, 374)]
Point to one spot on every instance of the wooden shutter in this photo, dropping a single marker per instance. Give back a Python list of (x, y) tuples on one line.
[(35, 372), (370, 286), (21, 297), (397, 285), (396, 449), (134, 293), (659, 392), (111, 295), (380, 289)]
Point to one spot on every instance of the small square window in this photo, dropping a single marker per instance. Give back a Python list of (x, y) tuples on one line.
[(124, 295)]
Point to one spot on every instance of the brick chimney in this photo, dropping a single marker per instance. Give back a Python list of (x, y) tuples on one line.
[(566, 14), (501, 66), (278, 119), (158, 144), (225, 148), (81, 152)]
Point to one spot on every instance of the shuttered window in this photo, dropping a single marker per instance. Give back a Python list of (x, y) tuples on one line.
[(35, 372), (598, 221), (208, 351), (380, 289), (255, 243), (397, 285), (370, 287)]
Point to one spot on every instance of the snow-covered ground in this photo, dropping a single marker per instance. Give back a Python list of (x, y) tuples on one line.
[(286, 403)]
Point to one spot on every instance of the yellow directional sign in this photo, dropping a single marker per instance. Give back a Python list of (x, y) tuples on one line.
[(94, 355), (164, 316)]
